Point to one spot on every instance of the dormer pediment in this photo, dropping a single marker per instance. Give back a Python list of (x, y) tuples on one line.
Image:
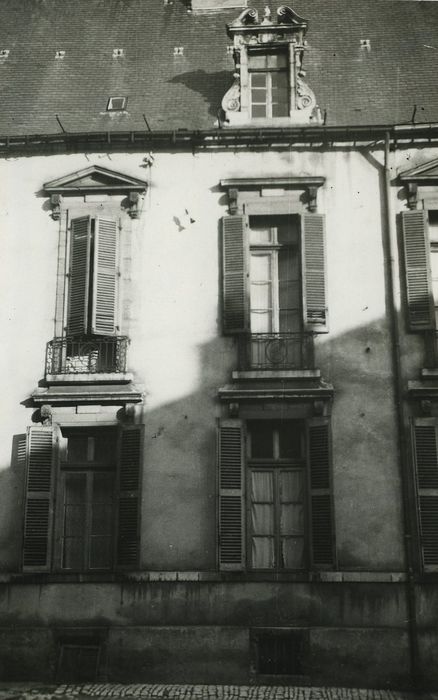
[(95, 179), (422, 173)]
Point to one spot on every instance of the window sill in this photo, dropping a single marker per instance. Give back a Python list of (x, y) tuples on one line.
[(90, 378), (277, 374), (427, 373)]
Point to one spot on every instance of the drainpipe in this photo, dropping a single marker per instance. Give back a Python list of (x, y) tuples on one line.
[(405, 466)]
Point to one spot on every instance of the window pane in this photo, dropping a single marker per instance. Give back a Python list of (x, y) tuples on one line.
[(259, 233), (257, 60), (262, 519), (277, 60), (261, 322), (280, 109), (258, 111), (288, 229), (433, 225), (261, 439), (262, 486), (74, 521), (261, 268), (77, 448), (262, 553), (100, 553), (258, 80), (291, 486), (292, 552), (291, 440), (279, 81), (434, 270), (261, 296), (290, 322), (292, 519)]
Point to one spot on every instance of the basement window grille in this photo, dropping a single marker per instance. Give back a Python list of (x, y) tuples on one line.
[(79, 658), (279, 652)]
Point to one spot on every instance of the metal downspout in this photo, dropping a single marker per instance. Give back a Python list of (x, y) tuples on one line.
[(406, 481)]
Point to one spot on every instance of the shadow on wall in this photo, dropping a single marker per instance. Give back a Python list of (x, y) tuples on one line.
[(209, 85), (178, 523)]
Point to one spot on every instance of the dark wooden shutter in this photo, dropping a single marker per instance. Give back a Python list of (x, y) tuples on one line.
[(235, 274), (314, 273), (39, 498), (231, 495), (321, 502), (104, 306), (79, 280), (426, 462), (417, 269), (129, 495)]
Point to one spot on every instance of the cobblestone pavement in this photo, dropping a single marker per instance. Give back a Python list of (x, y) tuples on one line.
[(24, 691)]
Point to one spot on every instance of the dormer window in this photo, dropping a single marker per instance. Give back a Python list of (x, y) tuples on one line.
[(269, 84), (117, 104), (268, 79)]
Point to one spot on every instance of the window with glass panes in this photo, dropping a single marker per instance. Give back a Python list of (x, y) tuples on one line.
[(277, 494), (86, 499), (275, 274), (433, 239), (269, 83)]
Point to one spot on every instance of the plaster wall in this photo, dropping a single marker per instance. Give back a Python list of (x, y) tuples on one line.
[(179, 357)]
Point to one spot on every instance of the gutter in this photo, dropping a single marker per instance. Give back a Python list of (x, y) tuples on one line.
[(183, 139), (405, 467)]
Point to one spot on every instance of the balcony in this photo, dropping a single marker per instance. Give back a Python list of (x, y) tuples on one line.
[(276, 351), (73, 358)]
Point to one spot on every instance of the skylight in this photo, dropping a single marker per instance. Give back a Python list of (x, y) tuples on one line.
[(116, 104)]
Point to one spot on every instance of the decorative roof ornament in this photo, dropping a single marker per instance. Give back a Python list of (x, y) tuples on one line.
[(266, 16), (286, 36)]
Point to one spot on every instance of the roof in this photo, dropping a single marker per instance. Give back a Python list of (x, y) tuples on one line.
[(44, 95)]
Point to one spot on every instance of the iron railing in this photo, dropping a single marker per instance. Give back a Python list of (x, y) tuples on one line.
[(84, 355), (276, 351)]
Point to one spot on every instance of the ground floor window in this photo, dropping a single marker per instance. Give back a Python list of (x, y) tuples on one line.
[(275, 495), (277, 508), (82, 501)]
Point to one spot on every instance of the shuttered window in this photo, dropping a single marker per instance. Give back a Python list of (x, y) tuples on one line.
[(41, 456), (82, 495), (416, 249), (93, 277), (274, 274), (425, 442), (275, 495)]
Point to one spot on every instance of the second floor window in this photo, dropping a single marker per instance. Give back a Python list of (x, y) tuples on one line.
[(93, 277)]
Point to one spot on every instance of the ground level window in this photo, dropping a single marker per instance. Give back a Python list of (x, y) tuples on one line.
[(276, 466), (279, 652)]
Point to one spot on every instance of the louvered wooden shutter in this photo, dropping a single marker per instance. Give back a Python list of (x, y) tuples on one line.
[(39, 498), (321, 505), (314, 273), (79, 279), (231, 495), (235, 280), (129, 495), (417, 269), (426, 461), (105, 277)]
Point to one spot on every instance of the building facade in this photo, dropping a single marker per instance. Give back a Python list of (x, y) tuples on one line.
[(219, 292)]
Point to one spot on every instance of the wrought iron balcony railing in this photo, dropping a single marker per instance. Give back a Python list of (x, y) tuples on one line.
[(84, 355), (276, 351)]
